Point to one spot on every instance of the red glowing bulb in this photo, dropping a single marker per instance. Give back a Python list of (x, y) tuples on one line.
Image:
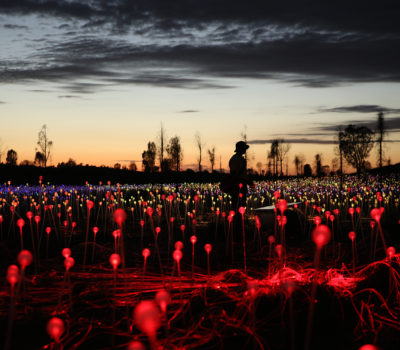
[(317, 220), (142, 223), (332, 218), (146, 316), (37, 219), (177, 255), (12, 275), (135, 345), (196, 198), (390, 252), (352, 235), (183, 228), (178, 245), (252, 286), (117, 233), (208, 248), (89, 205), (336, 211), (158, 230), (193, 239), (29, 215), (277, 194), (271, 239), (351, 211), (73, 224), (321, 235), (20, 223), (115, 260), (162, 298), (368, 347), (146, 253), (66, 252), (372, 224), (242, 210), (55, 328), (69, 262), (119, 216), (48, 230), (282, 205), (279, 249), (376, 214), (95, 230), (170, 198), (24, 258)]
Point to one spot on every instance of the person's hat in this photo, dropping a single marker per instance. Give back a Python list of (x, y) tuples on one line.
[(241, 146)]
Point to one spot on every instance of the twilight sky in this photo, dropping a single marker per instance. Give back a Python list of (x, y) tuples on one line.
[(103, 75)]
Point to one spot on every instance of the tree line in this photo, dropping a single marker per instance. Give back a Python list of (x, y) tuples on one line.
[(353, 146)]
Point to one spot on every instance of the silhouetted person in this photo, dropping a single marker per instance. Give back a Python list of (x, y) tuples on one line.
[(238, 172)]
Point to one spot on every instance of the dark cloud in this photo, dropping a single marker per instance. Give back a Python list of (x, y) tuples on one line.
[(391, 125), (189, 44), (296, 141), (69, 96), (189, 111), (2, 102), (14, 26), (361, 109), (356, 15)]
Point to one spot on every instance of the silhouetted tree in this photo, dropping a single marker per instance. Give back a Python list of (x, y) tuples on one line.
[(44, 144), (71, 162), (132, 166), (334, 164), (117, 166), (259, 167), (12, 157), (149, 157), (307, 170), (273, 155), (39, 159), (283, 150), (161, 149), (380, 130), (356, 143), (25, 162), (318, 165), (200, 146), (211, 156), (174, 150)]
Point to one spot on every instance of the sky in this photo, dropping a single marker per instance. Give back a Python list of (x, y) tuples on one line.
[(103, 76)]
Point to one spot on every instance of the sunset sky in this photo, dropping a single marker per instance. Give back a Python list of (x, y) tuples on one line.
[(104, 75)]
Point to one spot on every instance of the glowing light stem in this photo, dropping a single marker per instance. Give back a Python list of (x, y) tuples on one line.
[(382, 237), (354, 256), (310, 318), (156, 244), (21, 238), (93, 247), (216, 228), (47, 245), (33, 245), (244, 246), (208, 265), (113, 305), (86, 239), (192, 261)]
